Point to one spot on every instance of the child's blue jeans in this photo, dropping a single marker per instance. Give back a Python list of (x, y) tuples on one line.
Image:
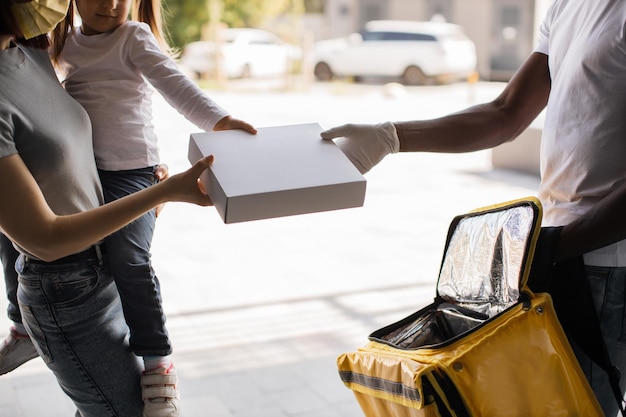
[(128, 252)]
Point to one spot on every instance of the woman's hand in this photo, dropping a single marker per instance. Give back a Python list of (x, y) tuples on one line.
[(186, 186)]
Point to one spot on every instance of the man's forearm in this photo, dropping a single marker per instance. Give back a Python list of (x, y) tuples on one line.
[(480, 127)]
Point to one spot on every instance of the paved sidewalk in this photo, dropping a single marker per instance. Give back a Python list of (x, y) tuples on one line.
[(259, 311)]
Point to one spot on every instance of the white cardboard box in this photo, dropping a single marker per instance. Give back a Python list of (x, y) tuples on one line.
[(280, 171)]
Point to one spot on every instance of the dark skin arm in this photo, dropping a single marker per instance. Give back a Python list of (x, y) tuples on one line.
[(487, 125)]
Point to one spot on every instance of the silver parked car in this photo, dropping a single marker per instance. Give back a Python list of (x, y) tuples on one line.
[(244, 52), (416, 52)]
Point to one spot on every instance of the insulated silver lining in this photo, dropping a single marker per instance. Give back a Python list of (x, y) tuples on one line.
[(479, 277), (483, 261)]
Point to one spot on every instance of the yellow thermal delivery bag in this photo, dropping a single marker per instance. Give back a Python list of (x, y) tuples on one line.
[(487, 346)]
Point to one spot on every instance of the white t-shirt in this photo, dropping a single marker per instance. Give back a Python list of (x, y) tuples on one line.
[(110, 76), (583, 148)]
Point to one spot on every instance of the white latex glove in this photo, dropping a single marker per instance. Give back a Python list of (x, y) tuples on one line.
[(365, 145)]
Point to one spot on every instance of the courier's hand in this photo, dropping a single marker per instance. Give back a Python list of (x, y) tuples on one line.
[(365, 145), (228, 123)]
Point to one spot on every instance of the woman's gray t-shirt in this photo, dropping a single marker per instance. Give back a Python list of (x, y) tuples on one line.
[(50, 131)]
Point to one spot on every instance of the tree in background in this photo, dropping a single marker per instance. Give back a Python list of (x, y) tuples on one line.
[(187, 20)]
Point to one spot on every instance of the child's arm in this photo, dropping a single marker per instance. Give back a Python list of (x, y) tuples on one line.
[(178, 90)]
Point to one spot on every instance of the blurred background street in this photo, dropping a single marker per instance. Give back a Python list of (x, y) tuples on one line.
[(259, 311)]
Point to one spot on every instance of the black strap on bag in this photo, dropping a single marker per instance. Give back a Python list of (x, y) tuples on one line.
[(571, 293)]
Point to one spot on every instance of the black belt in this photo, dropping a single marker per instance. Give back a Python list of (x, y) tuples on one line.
[(93, 252)]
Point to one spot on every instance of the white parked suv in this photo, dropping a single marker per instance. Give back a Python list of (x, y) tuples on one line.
[(245, 52), (417, 52)]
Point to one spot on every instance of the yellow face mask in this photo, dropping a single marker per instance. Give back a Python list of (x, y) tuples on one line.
[(37, 17)]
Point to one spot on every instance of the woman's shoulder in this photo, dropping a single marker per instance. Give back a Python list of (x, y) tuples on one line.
[(40, 56), (36, 53)]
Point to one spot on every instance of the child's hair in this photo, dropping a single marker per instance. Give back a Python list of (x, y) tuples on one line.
[(146, 11), (150, 12)]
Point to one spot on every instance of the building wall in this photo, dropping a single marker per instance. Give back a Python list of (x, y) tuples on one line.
[(341, 18), (541, 8), (474, 16), (372, 10), (513, 36), (408, 9)]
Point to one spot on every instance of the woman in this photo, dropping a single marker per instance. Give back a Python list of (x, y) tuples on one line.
[(52, 210)]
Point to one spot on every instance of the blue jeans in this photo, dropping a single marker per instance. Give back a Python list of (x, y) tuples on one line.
[(8, 256), (608, 287), (128, 252), (74, 316)]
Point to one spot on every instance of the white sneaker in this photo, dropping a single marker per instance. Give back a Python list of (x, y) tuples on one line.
[(16, 350), (160, 393)]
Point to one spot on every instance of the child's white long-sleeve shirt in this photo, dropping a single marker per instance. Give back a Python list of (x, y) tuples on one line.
[(111, 75)]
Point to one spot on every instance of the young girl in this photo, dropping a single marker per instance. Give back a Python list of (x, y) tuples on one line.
[(109, 65)]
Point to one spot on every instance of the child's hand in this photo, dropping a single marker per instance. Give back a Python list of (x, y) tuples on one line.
[(162, 173), (228, 123)]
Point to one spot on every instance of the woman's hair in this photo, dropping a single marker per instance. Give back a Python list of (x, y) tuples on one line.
[(146, 11), (9, 26)]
